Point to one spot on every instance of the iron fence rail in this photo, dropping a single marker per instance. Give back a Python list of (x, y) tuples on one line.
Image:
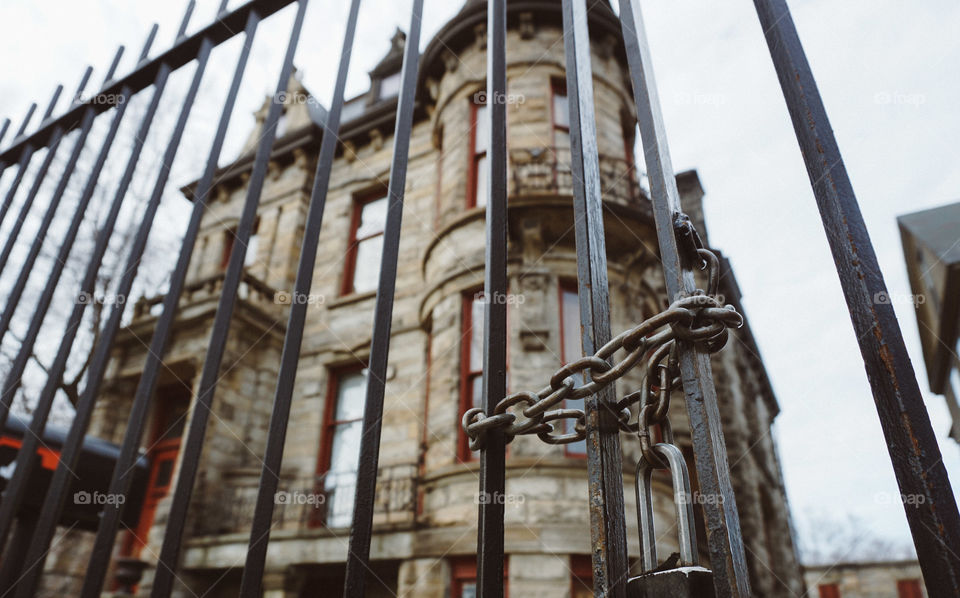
[(934, 521), (724, 541), (608, 529), (917, 463)]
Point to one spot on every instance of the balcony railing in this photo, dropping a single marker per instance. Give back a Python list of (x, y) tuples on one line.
[(251, 290), (546, 171), (227, 507)]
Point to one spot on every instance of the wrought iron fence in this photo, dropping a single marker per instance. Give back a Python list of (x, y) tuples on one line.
[(694, 324)]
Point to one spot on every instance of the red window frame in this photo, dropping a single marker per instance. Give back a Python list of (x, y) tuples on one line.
[(467, 375), (828, 590), (353, 242), (228, 240), (581, 574), (463, 571), (329, 426), (558, 87), (473, 167), (909, 588), (565, 287)]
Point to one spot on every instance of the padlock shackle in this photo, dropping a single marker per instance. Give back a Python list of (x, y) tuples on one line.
[(682, 498)]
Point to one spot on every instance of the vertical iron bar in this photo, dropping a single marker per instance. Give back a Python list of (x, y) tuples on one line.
[(17, 292), (273, 456), (731, 578), (15, 489), (914, 453), (70, 452), (139, 410), (12, 381), (61, 481), (3, 132), (26, 121), (55, 138), (13, 298), (358, 554), (193, 444), (604, 457), (490, 545), (22, 163)]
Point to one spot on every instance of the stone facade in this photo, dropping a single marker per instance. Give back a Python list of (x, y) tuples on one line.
[(425, 523)]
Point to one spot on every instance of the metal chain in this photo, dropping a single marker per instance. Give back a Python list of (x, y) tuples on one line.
[(700, 318)]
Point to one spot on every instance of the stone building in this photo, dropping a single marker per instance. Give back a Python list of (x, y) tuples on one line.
[(425, 524)]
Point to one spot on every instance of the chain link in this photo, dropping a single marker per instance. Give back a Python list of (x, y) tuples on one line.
[(700, 319)]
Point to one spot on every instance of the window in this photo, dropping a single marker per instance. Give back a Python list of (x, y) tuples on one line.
[(463, 573), (362, 271), (909, 588), (570, 350), (230, 241), (560, 114), (282, 124), (253, 245), (829, 590), (471, 364), (390, 86), (478, 173), (341, 444)]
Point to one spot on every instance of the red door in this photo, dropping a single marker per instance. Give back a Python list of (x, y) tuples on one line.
[(171, 411)]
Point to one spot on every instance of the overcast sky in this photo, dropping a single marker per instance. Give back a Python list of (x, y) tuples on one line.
[(888, 74)]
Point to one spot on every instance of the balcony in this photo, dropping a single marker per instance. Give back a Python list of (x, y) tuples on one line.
[(303, 504), (546, 171), (202, 295)]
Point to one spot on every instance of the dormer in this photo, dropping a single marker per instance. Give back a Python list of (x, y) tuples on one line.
[(385, 77), (300, 111)]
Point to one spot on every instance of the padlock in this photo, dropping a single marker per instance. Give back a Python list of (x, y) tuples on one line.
[(680, 576)]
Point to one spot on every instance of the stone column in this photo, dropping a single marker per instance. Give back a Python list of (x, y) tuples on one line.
[(539, 575), (424, 578)]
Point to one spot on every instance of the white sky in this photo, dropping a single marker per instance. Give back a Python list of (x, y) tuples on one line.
[(888, 74)]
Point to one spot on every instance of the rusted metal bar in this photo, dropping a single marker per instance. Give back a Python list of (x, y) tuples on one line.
[(273, 455), (608, 529), (724, 541), (493, 454), (358, 555), (181, 53), (64, 476), (210, 375), (123, 472), (921, 476)]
